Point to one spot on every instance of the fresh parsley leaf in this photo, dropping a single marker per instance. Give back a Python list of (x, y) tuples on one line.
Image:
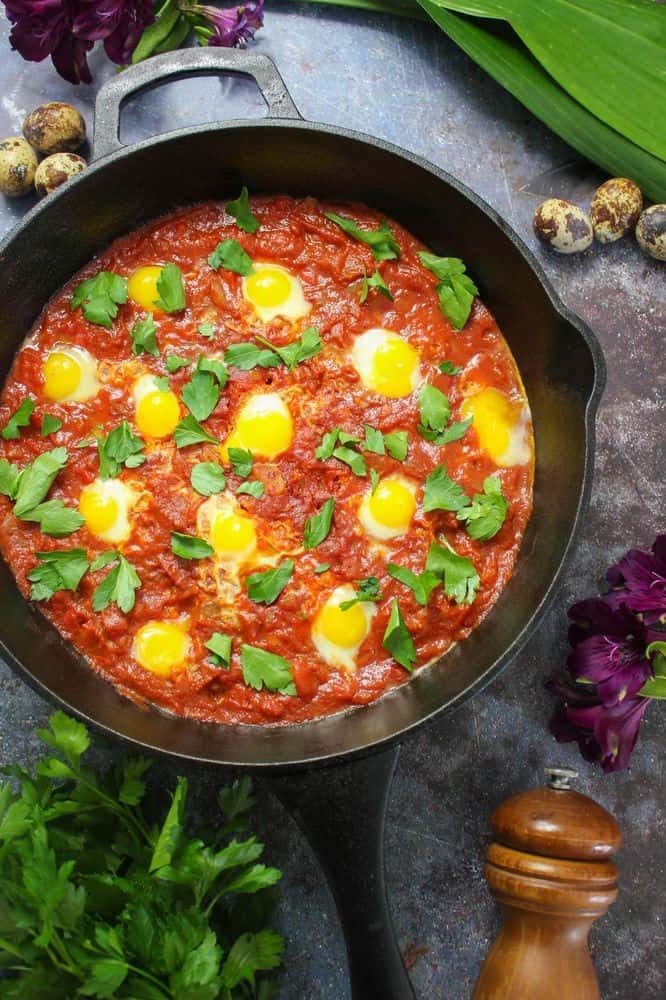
[(119, 586), (398, 640), (381, 240), (327, 446), (99, 298), (487, 512), (62, 569), (120, 447), (351, 458), (9, 478), (220, 646), (240, 210), (171, 289), (442, 493), (266, 587), (174, 362), (230, 255), (36, 480), (374, 481), (208, 478), (307, 346), (247, 356), (253, 488), (460, 579), (421, 584), (374, 281), (242, 461), (374, 441), (367, 590), (144, 339), (161, 383), (50, 425), (456, 290), (190, 546), (19, 418), (55, 519), (453, 432), (396, 444), (103, 559), (318, 526), (321, 568), (448, 368), (263, 669), (435, 412), (249, 954), (206, 330), (201, 394), (189, 431), (216, 368)]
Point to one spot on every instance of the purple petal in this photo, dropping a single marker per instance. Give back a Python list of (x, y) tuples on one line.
[(641, 579), (70, 59), (235, 25)]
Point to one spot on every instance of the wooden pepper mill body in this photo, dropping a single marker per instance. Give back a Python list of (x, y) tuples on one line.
[(549, 869)]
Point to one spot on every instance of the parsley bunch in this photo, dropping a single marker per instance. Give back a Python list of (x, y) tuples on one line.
[(98, 900)]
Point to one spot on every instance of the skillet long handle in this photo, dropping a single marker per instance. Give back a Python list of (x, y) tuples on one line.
[(342, 811), (182, 63)]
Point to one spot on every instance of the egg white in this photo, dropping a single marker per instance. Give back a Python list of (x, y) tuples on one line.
[(88, 384), (332, 653), (294, 307), (364, 351), (125, 498)]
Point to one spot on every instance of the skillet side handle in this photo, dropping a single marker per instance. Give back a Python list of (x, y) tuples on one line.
[(183, 63), (342, 811)]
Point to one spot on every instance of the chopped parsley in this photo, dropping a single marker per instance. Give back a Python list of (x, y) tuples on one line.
[(442, 493), (457, 573), (120, 447), (374, 281), (50, 424), (318, 526), (55, 519), (208, 478), (247, 356), (242, 461), (486, 513), (171, 289), (381, 240), (190, 546), (396, 444), (19, 418), (201, 394), (455, 290), (62, 569), (118, 587), (421, 584), (266, 587), (374, 441), (99, 298), (144, 337), (321, 568), (189, 431), (36, 480), (9, 478), (307, 346), (219, 645), (241, 212), (206, 330), (253, 488), (263, 669), (448, 368), (174, 362), (398, 639), (435, 412), (352, 458), (230, 255), (366, 590)]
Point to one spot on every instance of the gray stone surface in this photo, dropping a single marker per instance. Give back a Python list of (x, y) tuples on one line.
[(406, 82)]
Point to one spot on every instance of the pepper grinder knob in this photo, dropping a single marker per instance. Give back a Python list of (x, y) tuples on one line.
[(549, 867)]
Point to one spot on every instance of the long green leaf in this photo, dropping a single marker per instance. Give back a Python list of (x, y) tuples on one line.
[(401, 8), (509, 62)]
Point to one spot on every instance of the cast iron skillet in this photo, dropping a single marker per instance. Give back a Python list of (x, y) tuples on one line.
[(562, 367)]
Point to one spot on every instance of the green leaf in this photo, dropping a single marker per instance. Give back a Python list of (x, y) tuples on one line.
[(257, 877), (118, 587), (381, 240), (249, 954), (230, 255), (460, 579), (318, 526), (442, 493), (171, 289), (367, 590), (132, 787), (486, 514), (435, 412), (61, 569), (656, 686), (50, 425), (67, 736), (374, 441), (172, 829), (99, 298), (240, 210), (374, 481), (158, 32), (103, 559), (216, 368), (220, 646), (106, 977), (327, 446), (448, 368), (242, 461), (55, 519), (174, 362), (208, 478), (421, 584), (117, 449), (254, 488), (456, 289), (397, 639), (454, 431), (37, 478), (201, 394), (247, 356), (19, 418), (266, 587), (263, 669), (397, 445), (374, 281), (351, 458), (321, 568), (144, 337), (206, 330), (189, 431), (9, 478), (307, 346), (189, 546)]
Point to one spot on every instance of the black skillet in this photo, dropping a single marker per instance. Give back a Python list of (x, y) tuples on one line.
[(342, 812)]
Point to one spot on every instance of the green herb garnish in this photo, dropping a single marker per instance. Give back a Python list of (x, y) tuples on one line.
[(62, 569), (144, 337), (190, 546), (50, 425), (442, 493), (201, 394), (263, 669), (374, 281), (448, 368), (307, 346), (206, 330), (219, 645), (486, 513), (120, 447), (118, 587), (266, 587), (318, 526), (99, 298), (54, 518), (242, 461), (366, 590), (460, 579), (398, 639), (36, 480), (9, 478), (208, 478), (189, 431), (174, 362), (351, 458), (321, 568), (455, 290), (421, 584), (240, 210), (253, 488), (381, 240), (19, 418), (396, 444), (247, 356), (435, 412), (171, 289), (374, 441), (230, 255)]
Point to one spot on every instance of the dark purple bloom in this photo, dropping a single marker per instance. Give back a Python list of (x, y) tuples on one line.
[(231, 27), (609, 649), (605, 735), (119, 23), (639, 580), (42, 28)]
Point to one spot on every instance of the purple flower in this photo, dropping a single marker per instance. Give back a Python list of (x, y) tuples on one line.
[(119, 23), (42, 28), (639, 580), (605, 735), (232, 27)]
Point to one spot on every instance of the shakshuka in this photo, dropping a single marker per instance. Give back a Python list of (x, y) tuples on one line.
[(262, 460)]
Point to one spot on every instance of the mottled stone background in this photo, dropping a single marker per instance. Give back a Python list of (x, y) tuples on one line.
[(406, 82)]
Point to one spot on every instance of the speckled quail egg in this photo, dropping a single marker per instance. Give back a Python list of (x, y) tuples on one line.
[(563, 226), (55, 127), (18, 164), (56, 169), (615, 208), (651, 231)]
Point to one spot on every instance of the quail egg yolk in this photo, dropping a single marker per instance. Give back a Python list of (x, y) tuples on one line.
[(99, 512), (268, 287), (263, 426), (392, 504), (105, 505), (142, 286), (501, 425), (70, 374), (343, 628), (157, 410), (386, 363), (161, 647), (232, 534)]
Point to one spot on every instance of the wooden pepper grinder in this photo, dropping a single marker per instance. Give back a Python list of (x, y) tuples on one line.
[(549, 869)]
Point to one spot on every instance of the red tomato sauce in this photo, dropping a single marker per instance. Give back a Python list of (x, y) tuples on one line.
[(322, 393)]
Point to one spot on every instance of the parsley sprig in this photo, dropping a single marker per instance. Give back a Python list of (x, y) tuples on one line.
[(381, 241), (19, 418), (28, 488), (455, 290), (242, 213), (435, 412), (99, 298), (483, 514), (366, 591)]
